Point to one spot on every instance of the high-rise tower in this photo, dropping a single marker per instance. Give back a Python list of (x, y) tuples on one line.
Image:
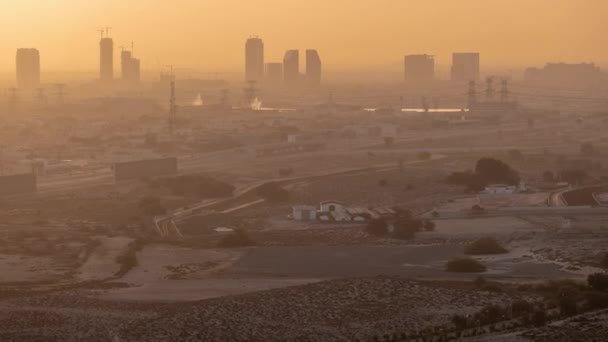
[(465, 67), (313, 68), (106, 59), (291, 67), (28, 68), (254, 59), (130, 67), (419, 68)]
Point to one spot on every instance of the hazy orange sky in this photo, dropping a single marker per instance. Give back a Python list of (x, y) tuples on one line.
[(350, 34)]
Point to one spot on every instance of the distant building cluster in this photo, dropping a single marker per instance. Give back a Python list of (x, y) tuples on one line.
[(286, 73), (418, 68), (421, 68), (334, 211), (584, 74), (131, 67)]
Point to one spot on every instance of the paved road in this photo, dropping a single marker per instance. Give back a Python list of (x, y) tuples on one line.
[(521, 211)]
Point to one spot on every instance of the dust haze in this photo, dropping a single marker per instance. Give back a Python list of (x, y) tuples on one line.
[(303, 170)]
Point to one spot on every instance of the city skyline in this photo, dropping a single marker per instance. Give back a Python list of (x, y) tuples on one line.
[(498, 35)]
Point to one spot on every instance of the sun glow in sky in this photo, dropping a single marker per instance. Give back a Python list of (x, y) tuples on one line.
[(350, 34)]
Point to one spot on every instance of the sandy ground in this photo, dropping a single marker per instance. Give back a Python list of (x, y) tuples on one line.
[(421, 262), (102, 263), (21, 268), (168, 273), (472, 228)]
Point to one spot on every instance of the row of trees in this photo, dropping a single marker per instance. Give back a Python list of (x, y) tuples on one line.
[(487, 171)]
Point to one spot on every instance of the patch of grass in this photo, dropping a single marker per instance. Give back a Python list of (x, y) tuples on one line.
[(485, 246), (465, 265)]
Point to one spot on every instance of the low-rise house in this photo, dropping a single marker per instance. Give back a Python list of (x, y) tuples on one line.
[(329, 206), (304, 213)]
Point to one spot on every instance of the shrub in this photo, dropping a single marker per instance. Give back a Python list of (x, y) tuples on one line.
[(604, 261), (484, 246), (429, 225), (465, 265), (273, 192), (491, 314), (521, 307), (495, 171), (567, 306), (537, 318), (548, 177), (151, 205), (598, 281), (425, 155), (460, 322), (377, 227), (406, 226), (239, 238), (596, 300), (478, 210)]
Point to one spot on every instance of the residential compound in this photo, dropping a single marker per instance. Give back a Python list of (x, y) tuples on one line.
[(562, 74)]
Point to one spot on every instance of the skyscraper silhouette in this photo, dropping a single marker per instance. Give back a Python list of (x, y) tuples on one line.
[(130, 67), (254, 59), (106, 59), (313, 68), (465, 67), (419, 68), (291, 67), (28, 68)]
